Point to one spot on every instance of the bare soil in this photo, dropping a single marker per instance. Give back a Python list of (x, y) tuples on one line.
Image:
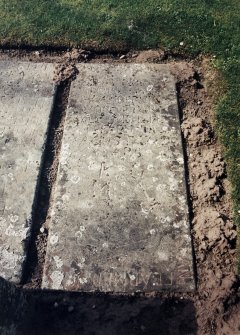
[(214, 309)]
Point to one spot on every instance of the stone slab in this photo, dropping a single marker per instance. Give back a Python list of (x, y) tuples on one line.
[(26, 96), (120, 214)]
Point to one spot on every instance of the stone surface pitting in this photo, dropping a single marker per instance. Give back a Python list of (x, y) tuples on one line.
[(120, 215), (26, 96)]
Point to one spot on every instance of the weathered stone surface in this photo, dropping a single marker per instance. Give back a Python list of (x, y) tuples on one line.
[(26, 95), (120, 216)]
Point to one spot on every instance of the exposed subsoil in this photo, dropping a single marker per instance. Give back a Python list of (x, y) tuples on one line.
[(214, 309)]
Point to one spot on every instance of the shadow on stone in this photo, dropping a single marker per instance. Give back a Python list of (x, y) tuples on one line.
[(36, 312)]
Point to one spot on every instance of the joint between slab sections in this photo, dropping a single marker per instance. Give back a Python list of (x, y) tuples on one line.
[(36, 246)]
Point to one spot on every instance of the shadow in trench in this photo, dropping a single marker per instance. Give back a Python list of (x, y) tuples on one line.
[(102, 314)]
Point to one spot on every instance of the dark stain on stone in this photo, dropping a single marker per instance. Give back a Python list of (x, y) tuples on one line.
[(6, 141), (172, 111), (72, 103), (166, 279), (136, 266), (75, 267), (64, 177), (97, 269)]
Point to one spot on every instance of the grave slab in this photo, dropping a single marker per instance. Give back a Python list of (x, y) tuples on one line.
[(120, 216), (26, 96)]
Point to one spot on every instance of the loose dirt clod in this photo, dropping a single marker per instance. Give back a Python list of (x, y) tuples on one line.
[(150, 56), (66, 69)]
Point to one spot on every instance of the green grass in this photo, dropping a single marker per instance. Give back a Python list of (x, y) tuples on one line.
[(205, 26)]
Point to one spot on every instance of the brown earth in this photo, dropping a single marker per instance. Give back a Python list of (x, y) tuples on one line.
[(214, 309)]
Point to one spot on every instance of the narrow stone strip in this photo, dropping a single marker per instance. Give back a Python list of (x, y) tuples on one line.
[(26, 96)]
